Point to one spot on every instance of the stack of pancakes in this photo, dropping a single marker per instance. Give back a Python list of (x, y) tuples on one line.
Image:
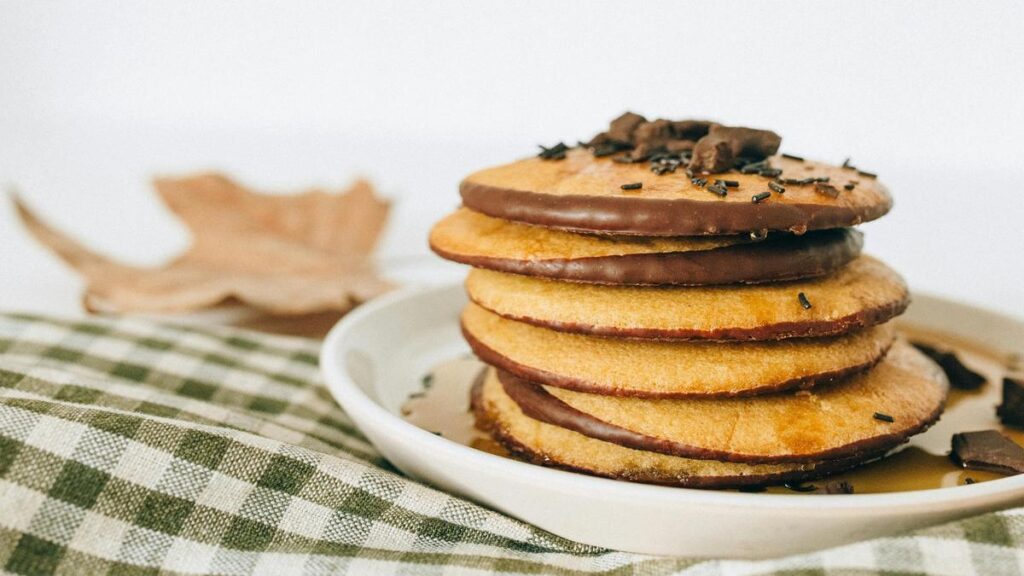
[(668, 334)]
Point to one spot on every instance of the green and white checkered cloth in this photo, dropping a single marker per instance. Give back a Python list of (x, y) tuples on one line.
[(128, 446)]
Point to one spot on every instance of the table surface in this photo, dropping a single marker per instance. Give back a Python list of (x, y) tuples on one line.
[(949, 234)]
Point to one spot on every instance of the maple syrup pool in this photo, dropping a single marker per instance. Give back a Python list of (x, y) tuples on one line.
[(442, 407)]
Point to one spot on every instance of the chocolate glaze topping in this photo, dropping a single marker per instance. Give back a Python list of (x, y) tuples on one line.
[(773, 260), (702, 147)]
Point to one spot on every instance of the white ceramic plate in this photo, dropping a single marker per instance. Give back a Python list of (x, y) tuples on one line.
[(377, 355)]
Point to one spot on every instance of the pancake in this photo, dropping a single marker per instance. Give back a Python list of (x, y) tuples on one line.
[(864, 293), (826, 423), (667, 369), (478, 240), (549, 445), (584, 194)]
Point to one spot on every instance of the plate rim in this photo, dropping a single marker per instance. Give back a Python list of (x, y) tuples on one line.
[(352, 399)]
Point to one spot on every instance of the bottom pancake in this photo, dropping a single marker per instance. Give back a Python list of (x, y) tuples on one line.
[(833, 421), (549, 445)]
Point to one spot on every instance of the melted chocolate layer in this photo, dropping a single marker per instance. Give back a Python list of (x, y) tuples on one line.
[(660, 217), (775, 260)]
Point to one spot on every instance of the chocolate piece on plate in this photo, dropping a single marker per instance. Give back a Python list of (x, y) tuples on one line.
[(988, 450), (960, 376), (1011, 411)]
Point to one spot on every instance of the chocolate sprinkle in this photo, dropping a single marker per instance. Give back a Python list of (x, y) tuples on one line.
[(800, 487), (718, 189), (805, 181), (826, 189), (556, 152), (632, 186), (960, 376), (792, 157), (867, 174), (728, 183), (988, 450), (699, 182), (757, 198), (969, 480), (840, 487), (846, 164), (776, 187), (849, 186), (804, 301), (883, 417)]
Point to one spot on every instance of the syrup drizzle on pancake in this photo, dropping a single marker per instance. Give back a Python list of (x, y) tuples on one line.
[(922, 464)]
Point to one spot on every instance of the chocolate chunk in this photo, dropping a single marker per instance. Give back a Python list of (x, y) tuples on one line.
[(960, 376), (841, 487), (648, 139), (619, 135), (610, 147), (622, 128), (650, 136), (826, 189), (556, 152), (1011, 411), (691, 130), (723, 145), (711, 156), (677, 146), (988, 450)]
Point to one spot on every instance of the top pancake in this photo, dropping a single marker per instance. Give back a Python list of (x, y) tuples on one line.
[(583, 193)]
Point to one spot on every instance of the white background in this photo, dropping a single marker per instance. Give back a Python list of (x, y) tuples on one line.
[(97, 97)]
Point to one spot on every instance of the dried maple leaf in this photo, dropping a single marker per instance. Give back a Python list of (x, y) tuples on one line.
[(293, 254)]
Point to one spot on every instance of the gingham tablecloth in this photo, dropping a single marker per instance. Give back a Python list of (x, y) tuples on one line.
[(128, 446)]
